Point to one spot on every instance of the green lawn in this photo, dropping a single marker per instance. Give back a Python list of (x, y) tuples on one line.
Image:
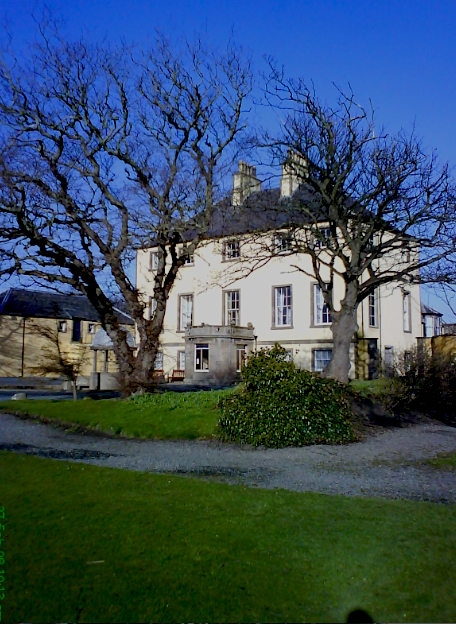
[(371, 388), (89, 544), (187, 415)]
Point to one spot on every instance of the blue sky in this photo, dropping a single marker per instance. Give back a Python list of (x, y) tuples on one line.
[(399, 54)]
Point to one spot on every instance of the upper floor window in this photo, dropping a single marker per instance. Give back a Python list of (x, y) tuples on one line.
[(282, 306), (407, 312), (282, 243), (189, 258), (153, 260), (232, 308), (152, 307), (322, 315), (185, 311), (405, 254), (231, 250), (373, 309), (322, 237)]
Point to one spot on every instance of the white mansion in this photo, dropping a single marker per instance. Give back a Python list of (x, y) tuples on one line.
[(275, 302)]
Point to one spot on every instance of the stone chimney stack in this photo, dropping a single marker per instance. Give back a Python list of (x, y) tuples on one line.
[(245, 182), (294, 172)]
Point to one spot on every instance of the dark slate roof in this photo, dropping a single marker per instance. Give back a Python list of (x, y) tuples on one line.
[(49, 304), (263, 211), (427, 310)]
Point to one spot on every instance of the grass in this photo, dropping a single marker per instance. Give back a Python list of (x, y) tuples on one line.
[(370, 389), (90, 544), (187, 415), (444, 461)]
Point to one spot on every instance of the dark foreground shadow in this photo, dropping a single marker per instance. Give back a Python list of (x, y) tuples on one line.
[(359, 616)]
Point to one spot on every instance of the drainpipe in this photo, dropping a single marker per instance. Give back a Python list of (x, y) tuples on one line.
[(23, 346)]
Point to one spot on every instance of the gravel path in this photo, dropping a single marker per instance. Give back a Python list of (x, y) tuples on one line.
[(387, 464)]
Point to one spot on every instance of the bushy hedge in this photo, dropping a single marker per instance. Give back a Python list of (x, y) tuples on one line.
[(281, 405), (424, 382)]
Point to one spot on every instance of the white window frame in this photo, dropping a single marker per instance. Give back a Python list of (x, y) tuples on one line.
[(91, 328), (62, 327), (199, 361), (232, 313), (283, 306), (321, 313), (373, 309), (407, 312), (320, 368), (231, 249), (153, 260), (182, 324)]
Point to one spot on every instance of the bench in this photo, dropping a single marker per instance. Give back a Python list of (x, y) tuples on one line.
[(177, 375)]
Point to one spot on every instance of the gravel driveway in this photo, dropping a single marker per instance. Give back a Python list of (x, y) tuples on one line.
[(390, 463)]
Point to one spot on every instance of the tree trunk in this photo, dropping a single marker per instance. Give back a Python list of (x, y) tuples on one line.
[(344, 326), (75, 390)]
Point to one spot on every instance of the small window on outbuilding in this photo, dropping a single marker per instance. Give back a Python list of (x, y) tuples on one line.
[(201, 357), (62, 327)]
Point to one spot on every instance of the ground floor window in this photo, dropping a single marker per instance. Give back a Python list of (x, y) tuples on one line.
[(321, 358), (201, 357), (241, 352), (181, 360), (158, 364)]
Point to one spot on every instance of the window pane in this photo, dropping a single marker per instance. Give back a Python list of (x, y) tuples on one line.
[(232, 249), (373, 309), (406, 310), (76, 336), (181, 360), (232, 308), (283, 306), (240, 356), (322, 314), (153, 260), (152, 307), (158, 364), (186, 311), (201, 357), (322, 358)]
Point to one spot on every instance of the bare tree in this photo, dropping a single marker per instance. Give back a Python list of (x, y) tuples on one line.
[(368, 208), (56, 360), (103, 150)]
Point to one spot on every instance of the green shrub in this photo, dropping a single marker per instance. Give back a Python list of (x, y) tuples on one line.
[(281, 405)]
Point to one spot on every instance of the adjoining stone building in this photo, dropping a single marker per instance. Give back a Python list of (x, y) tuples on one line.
[(25, 312)]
